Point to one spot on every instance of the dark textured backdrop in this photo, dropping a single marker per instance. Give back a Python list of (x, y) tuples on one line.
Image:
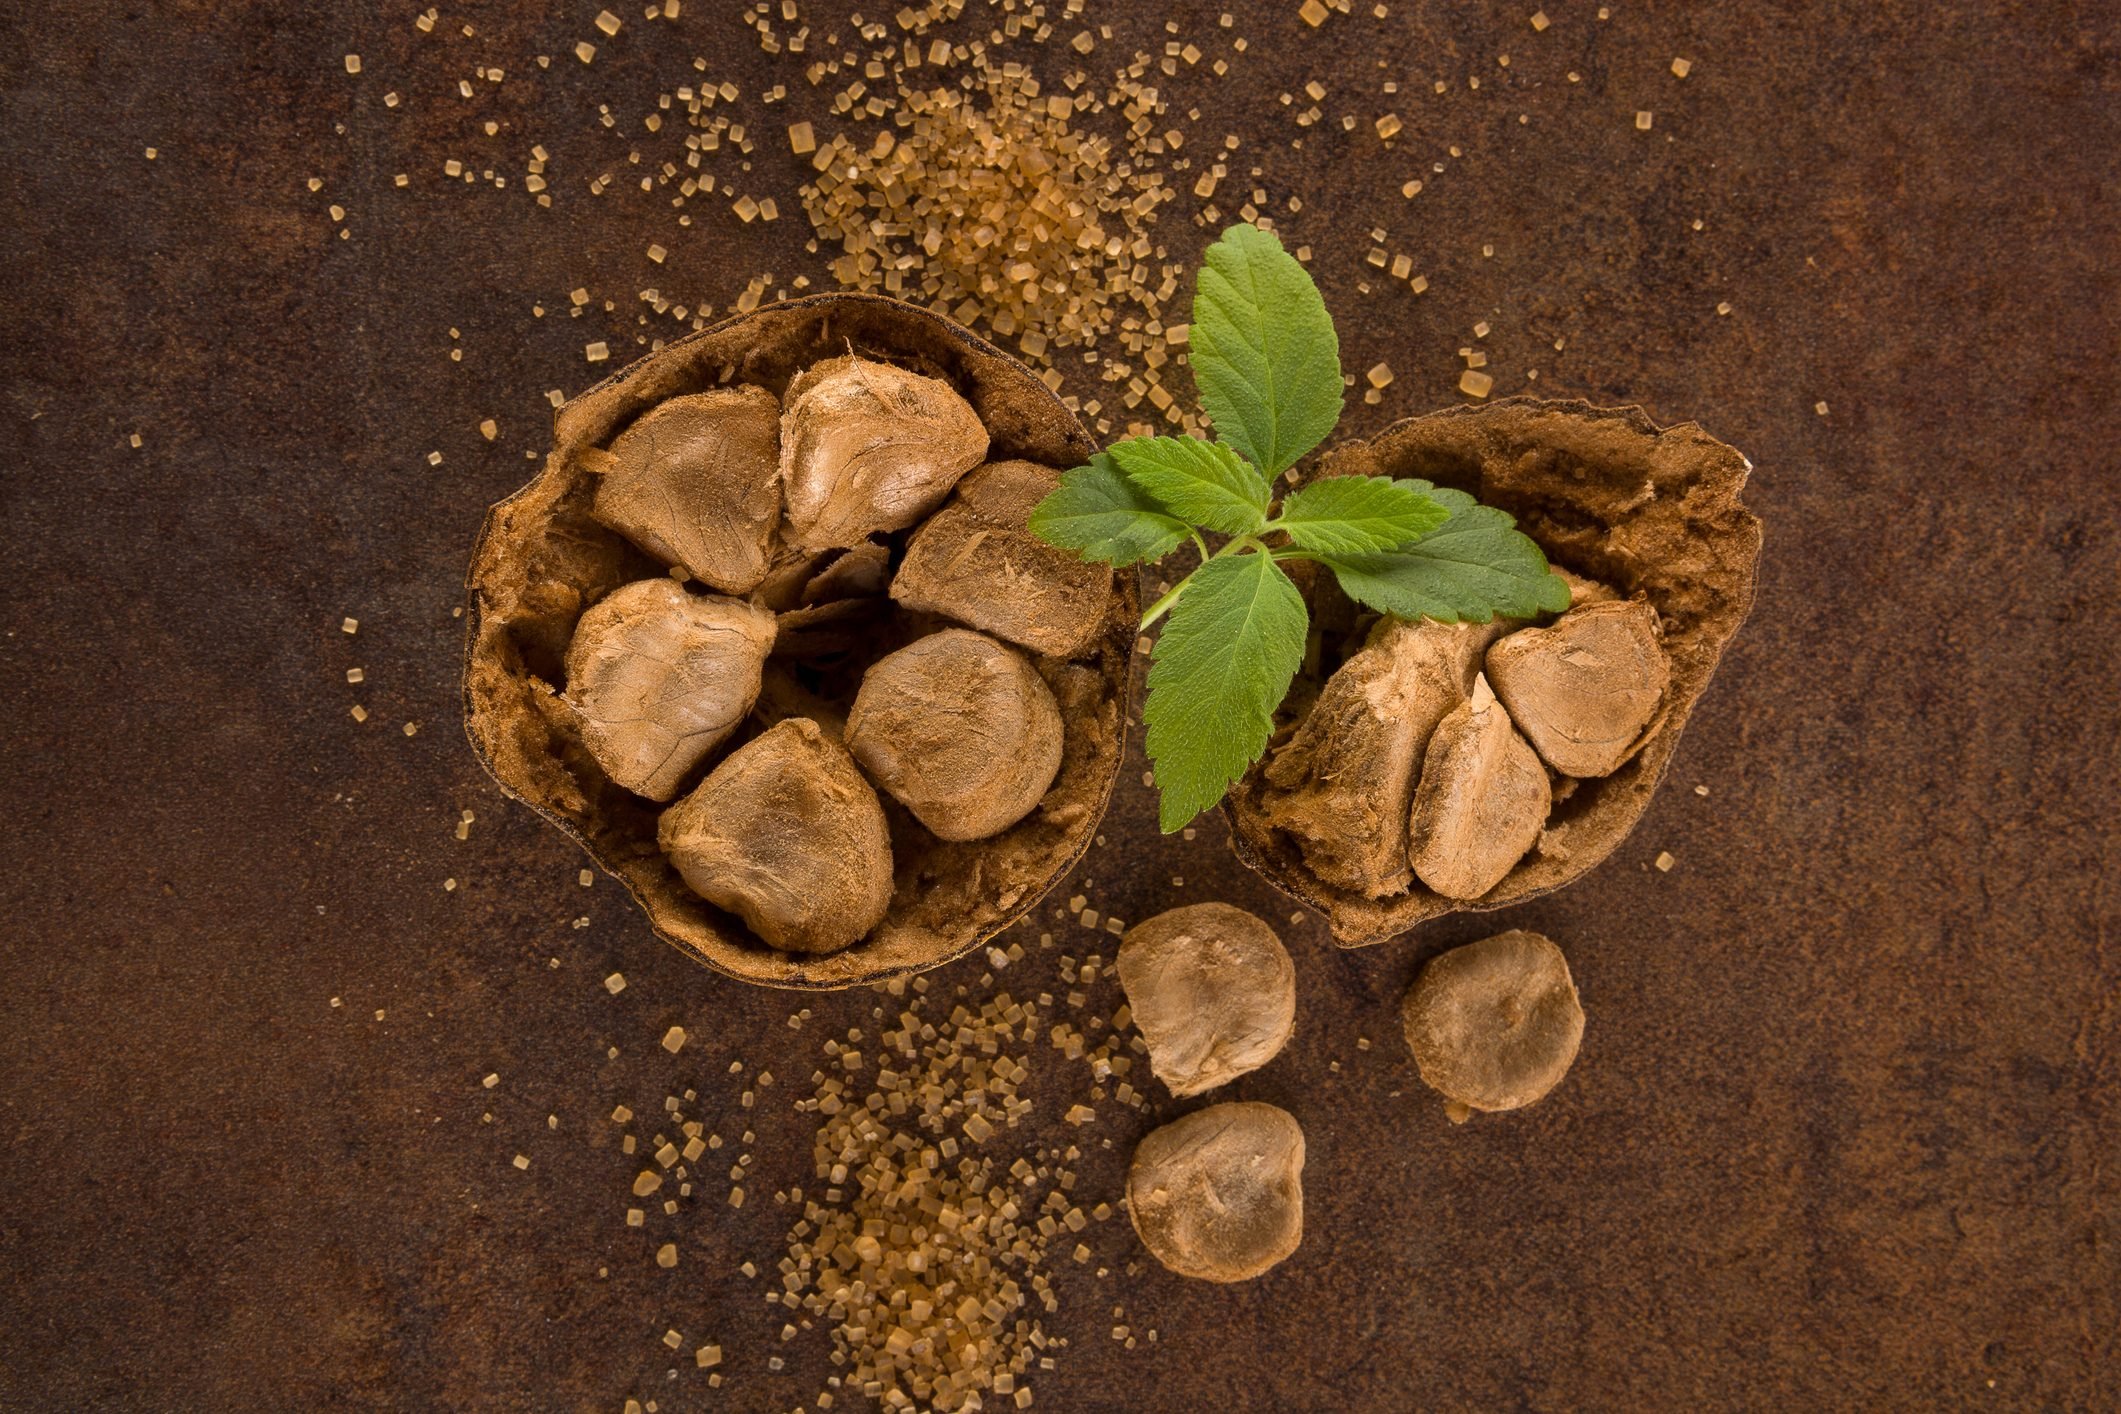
[(1843, 1131)]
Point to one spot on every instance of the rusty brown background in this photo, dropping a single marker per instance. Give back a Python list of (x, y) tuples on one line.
[(1843, 1132)]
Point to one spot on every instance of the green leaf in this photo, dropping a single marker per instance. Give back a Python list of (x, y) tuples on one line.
[(1220, 668), (1102, 515), (1200, 481), (1475, 567), (1349, 514), (1264, 351)]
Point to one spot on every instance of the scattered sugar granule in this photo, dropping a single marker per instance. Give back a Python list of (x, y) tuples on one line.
[(666, 1256), (1643, 118), (1389, 126), (801, 139), (1540, 21), (491, 1080), (412, 729), (522, 1161), (1314, 14), (1820, 408), (360, 713), (585, 51), (607, 22), (596, 352), (1681, 67), (353, 63), (1474, 383), (349, 625), (674, 1039), (1380, 375), (355, 674), (489, 429), (1665, 861), (615, 983), (585, 878)]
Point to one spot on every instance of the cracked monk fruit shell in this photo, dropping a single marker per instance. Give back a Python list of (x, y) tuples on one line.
[(960, 729), (695, 482), (1494, 1025), (1481, 800), (1583, 689), (543, 558), (787, 835), (1212, 991), (974, 561), (1607, 494), (660, 677), (1340, 787), (868, 447), (1218, 1194)]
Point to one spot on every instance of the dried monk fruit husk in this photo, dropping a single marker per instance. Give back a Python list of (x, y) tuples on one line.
[(1218, 1194), (1481, 801), (1212, 991), (1494, 1025), (974, 561), (1583, 689), (1643, 511), (961, 730), (861, 573), (543, 558), (660, 677), (868, 447), (1341, 786), (787, 835), (695, 482)]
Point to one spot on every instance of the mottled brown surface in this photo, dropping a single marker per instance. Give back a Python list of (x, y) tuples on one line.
[(1843, 1129)]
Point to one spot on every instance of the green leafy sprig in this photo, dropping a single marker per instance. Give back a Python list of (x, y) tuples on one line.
[(1267, 362)]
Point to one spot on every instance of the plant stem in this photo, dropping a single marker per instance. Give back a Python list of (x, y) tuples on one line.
[(1163, 605)]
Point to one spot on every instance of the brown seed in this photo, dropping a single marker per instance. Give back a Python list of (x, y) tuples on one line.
[(1343, 784), (1494, 1025), (1583, 689), (974, 561), (1481, 803), (659, 677), (1218, 1195), (867, 446), (786, 834), (961, 730), (695, 482), (1213, 992)]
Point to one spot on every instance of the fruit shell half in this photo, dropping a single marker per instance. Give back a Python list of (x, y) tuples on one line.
[(1608, 494), (541, 559)]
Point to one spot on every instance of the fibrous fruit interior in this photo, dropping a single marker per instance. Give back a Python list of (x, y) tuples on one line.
[(1213, 992), (1218, 1194), (961, 730), (659, 677), (787, 834), (868, 447), (1494, 1025)]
